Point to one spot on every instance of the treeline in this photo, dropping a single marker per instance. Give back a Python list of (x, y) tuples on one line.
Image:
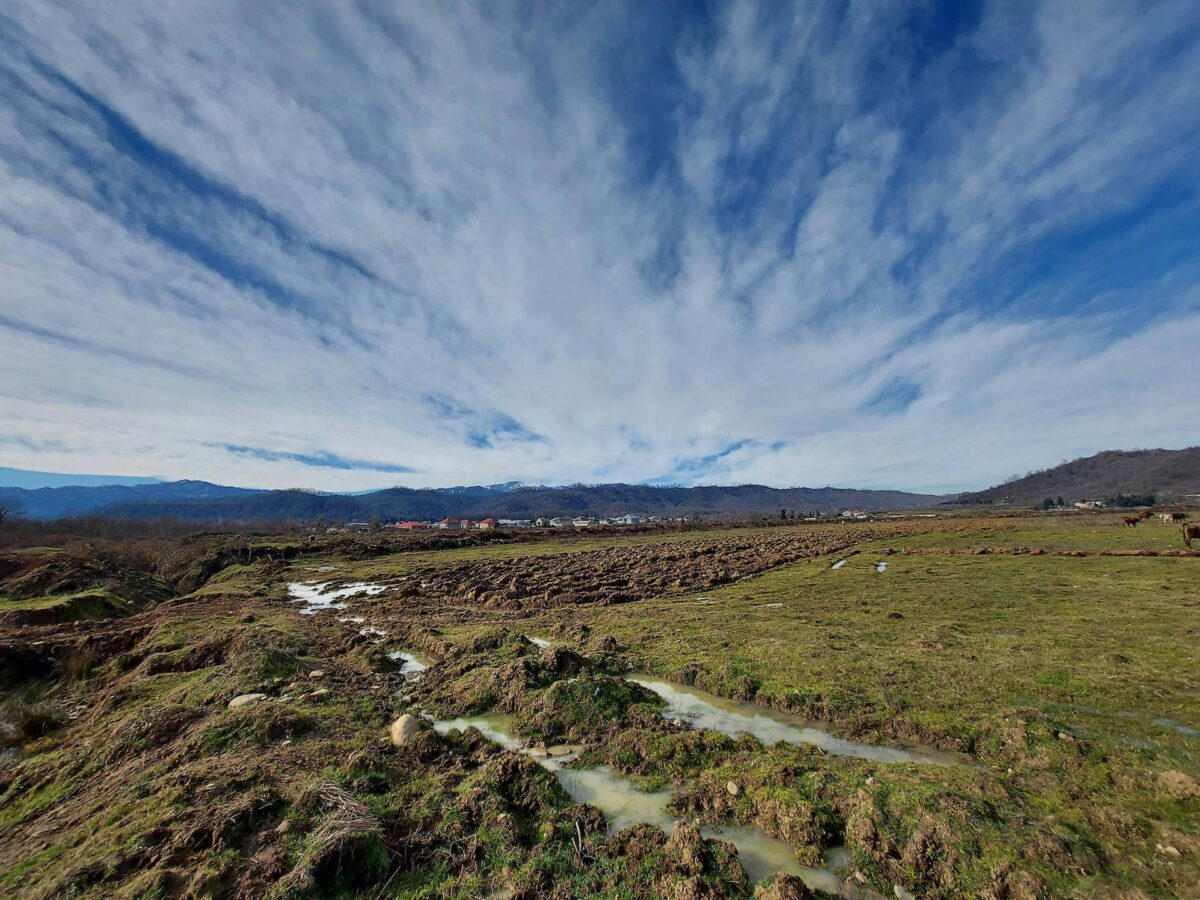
[(16, 532)]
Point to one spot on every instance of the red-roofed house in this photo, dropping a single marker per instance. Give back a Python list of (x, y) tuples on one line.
[(487, 523)]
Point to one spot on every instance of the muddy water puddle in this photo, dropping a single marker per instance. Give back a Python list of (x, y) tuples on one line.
[(411, 664), (317, 597), (623, 805), (733, 717), (537, 641), (762, 855)]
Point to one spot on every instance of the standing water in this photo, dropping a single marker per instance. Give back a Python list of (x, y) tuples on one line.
[(624, 805), (411, 664), (733, 717), (315, 597)]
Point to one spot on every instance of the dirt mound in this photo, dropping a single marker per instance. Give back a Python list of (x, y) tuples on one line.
[(42, 586)]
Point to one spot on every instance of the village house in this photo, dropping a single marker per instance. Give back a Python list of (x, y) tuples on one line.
[(1089, 504), (410, 526), (584, 521), (486, 524), (454, 524), (560, 522), (515, 523)]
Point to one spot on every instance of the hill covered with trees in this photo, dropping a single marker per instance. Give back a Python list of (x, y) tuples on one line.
[(1166, 475)]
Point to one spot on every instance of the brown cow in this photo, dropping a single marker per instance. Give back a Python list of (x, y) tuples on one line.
[(1130, 521), (1190, 533), (1178, 517), (1144, 514)]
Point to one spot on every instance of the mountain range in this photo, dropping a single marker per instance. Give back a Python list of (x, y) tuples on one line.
[(1166, 474), (201, 501)]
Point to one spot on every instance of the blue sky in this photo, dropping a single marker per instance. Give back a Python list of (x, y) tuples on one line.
[(342, 246)]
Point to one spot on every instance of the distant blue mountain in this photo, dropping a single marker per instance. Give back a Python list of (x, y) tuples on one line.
[(200, 501), (80, 500), (28, 478)]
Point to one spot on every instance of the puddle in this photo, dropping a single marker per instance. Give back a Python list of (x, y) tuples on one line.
[(372, 632), (541, 642), (497, 729), (771, 605), (1161, 721), (704, 710), (315, 598), (762, 855), (839, 564), (624, 805), (881, 567), (353, 620), (412, 664), (1177, 726)]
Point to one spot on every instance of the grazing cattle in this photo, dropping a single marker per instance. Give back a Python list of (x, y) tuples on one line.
[(1130, 521), (1144, 514), (1178, 517), (1190, 533)]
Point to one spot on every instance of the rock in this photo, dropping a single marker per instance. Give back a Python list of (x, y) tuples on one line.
[(678, 723), (246, 700), (733, 788), (316, 673), (560, 750), (247, 619), (903, 893), (1170, 851), (10, 734), (404, 728), (319, 693), (1178, 785), (284, 827)]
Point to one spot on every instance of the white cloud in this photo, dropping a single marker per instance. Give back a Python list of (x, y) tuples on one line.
[(838, 216)]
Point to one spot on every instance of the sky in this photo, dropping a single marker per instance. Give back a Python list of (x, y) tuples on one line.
[(342, 246)]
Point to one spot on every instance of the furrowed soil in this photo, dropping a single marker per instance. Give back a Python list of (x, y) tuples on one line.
[(964, 707)]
